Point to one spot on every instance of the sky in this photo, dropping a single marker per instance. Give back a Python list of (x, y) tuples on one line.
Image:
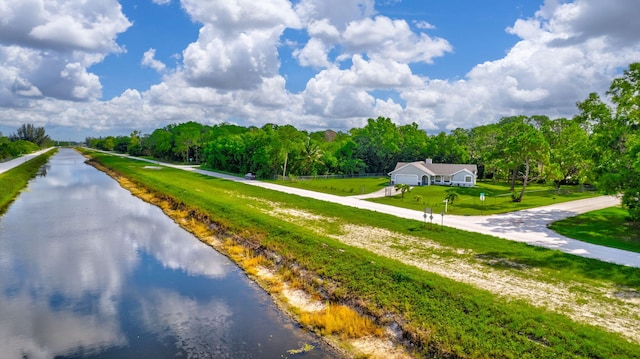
[(105, 67)]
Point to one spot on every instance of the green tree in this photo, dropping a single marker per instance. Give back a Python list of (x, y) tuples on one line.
[(483, 142), (135, 144), (31, 133), (377, 144), (451, 197), (403, 188), (108, 144), (414, 143), (188, 141), (523, 148), (452, 148), (616, 139), (569, 147), (122, 144), (160, 143), (346, 155)]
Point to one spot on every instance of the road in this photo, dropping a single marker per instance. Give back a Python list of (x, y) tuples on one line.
[(527, 226), (5, 166)]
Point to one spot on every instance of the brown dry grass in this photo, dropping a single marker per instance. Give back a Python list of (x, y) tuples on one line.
[(341, 320)]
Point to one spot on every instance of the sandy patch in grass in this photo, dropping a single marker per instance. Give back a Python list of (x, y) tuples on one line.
[(302, 300), (585, 303), (596, 303), (378, 349), (299, 214)]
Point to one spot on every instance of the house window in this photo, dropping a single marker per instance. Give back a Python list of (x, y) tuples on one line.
[(467, 179)]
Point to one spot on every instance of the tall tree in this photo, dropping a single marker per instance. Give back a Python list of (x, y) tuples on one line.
[(524, 149), (414, 143), (616, 138), (31, 133), (482, 145), (377, 144), (568, 150)]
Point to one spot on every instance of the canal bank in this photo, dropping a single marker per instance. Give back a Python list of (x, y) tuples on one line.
[(89, 271), (300, 293), (22, 170), (425, 308)]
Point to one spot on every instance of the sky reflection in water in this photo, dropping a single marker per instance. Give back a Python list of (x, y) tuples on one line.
[(87, 270)]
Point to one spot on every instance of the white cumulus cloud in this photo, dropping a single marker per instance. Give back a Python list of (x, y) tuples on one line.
[(148, 59)]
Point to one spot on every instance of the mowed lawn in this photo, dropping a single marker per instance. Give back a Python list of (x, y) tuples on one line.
[(608, 227), (339, 186), (497, 198)]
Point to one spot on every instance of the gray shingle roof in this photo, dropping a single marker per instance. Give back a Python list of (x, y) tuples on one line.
[(436, 169)]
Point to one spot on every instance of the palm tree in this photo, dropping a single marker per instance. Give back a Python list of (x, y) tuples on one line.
[(451, 197), (403, 188)]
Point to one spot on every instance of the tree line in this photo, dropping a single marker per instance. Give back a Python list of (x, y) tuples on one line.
[(27, 139), (600, 146)]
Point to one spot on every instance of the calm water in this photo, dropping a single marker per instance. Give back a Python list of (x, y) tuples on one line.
[(89, 271)]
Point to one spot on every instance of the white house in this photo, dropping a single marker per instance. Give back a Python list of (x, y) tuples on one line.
[(426, 173)]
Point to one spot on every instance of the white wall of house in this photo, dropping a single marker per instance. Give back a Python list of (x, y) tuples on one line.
[(409, 175), (463, 179), (410, 179), (415, 176)]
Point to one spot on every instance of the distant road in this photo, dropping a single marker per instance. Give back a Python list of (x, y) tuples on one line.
[(528, 226), (5, 166)]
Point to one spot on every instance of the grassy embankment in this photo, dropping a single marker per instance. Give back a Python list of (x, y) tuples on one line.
[(441, 317), (14, 180), (608, 227)]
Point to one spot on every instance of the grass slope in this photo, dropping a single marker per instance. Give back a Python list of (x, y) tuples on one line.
[(14, 180), (609, 227), (444, 318)]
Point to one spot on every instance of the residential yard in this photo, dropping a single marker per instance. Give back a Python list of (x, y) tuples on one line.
[(608, 227), (497, 198), (339, 186)]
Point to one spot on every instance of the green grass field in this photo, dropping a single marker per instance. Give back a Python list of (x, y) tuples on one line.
[(339, 186), (607, 227), (447, 318), (497, 195), (497, 198)]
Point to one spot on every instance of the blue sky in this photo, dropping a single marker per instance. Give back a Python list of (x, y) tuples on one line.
[(107, 67)]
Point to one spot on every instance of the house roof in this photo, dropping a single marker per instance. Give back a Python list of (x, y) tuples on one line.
[(437, 169)]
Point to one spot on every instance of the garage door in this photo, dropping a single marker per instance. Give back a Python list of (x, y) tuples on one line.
[(407, 179)]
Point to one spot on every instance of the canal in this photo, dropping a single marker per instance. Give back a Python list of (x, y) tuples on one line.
[(89, 271)]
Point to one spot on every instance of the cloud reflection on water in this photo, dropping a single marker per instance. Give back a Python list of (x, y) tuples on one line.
[(68, 248)]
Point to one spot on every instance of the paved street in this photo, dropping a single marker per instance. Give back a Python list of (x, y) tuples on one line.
[(5, 166)]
